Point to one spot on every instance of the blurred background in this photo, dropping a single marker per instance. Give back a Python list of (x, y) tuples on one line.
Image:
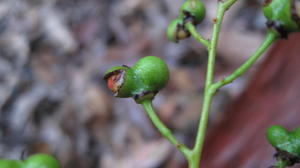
[(53, 54)]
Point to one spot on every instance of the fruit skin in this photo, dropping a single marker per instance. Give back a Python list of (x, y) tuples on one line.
[(142, 81), (176, 30), (152, 73), (6, 163), (194, 9), (283, 140), (41, 161), (280, 16)]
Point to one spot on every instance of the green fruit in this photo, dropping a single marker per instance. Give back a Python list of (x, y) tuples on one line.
[(41, 161), (287, 143), (194, 9), (153, 73), (6, 163), (282, 15), (142, 81), (176, 31)]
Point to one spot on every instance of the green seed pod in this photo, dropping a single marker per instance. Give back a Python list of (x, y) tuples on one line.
[(142, 81), (120, 81), (176, 31), (282, 16), (41, 161), (286, 142), (193, 9), (6, 163)]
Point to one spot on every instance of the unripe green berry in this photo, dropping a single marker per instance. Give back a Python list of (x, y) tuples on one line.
[(142, 81), (41, 161), (282, 16), (193, 9), (277, 135), (176, 30), (153, 73), (287, 143), (6, 163)]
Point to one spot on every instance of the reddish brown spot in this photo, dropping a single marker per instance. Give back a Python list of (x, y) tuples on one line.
[(113, 82), (215, 20), (267, 2)]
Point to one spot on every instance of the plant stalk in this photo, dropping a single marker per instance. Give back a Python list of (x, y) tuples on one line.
[(163, 129), (270, 38)]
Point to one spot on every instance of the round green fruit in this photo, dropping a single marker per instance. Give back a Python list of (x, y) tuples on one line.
[(142, 81), (6, 163), (193, 9), (41, 161), (153, 73), (284, 140), (282, 15)]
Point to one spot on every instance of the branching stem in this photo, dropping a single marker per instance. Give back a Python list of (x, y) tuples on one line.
[(208, 92), (270, 38), (194, 155)]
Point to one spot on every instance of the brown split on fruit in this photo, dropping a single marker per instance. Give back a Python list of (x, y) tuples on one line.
[(187, 14), (145, 95), (286, 156), (267, 2), (188, 17), (182, 33), (115, 80), (276, 25)]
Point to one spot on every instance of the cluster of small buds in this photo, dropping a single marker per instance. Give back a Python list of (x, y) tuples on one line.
[(191, 11)]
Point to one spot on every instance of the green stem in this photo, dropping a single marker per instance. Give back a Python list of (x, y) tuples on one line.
[(209, 80), (270, 38), (209, 92), (165, 131), (227, 4), (192, 29), (193, 156)]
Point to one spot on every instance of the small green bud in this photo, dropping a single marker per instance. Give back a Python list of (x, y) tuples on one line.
[(142, 81), (287, 143), (282, 15), (176, 31), (193, 9), (41, 161)]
